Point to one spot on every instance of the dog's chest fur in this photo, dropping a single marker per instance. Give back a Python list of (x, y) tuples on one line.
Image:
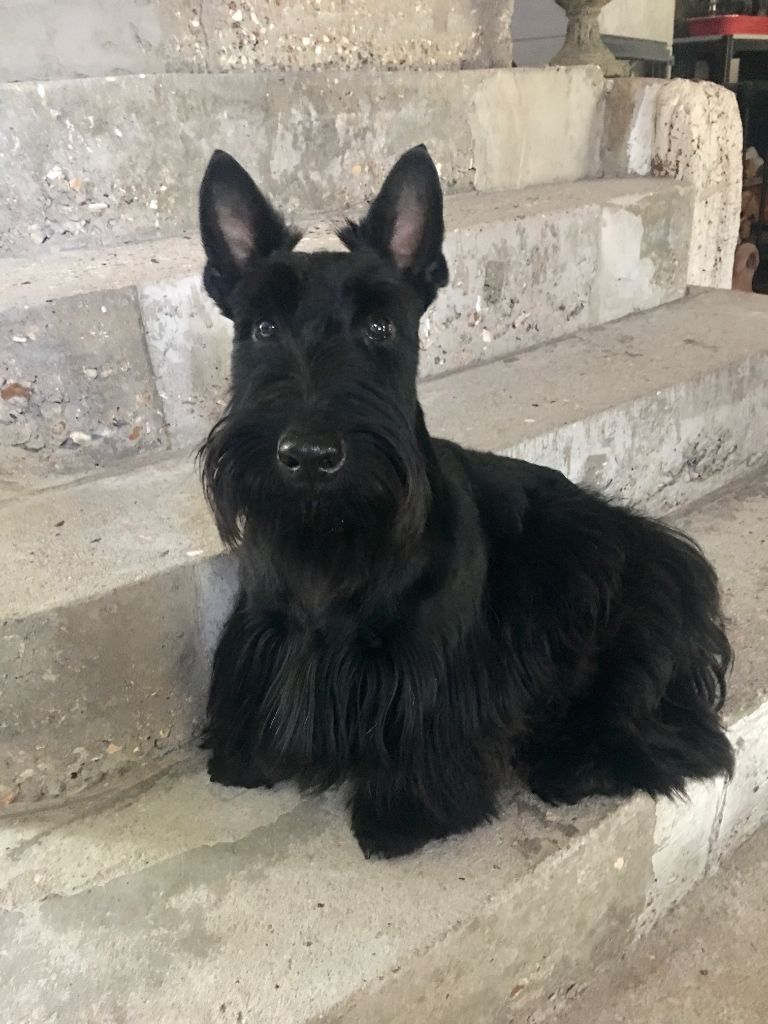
[(352, 662)]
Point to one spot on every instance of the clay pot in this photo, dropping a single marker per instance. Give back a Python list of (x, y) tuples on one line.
[(745, 264)]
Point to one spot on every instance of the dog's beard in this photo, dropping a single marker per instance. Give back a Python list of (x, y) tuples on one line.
[(383, 493), (318, 515)]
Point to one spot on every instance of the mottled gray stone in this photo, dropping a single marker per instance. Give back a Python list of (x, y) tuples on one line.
[(105, 643), (660, 408), (77, 390), (655, 409), (106, 160), (527, 266), (691, 132), (190, 345), (174, 891), (108, 684), (49, 39)]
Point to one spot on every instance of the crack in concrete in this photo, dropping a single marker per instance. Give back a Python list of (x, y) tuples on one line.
[(204, 33)]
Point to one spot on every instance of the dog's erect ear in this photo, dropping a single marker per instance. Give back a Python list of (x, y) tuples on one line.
[(405, 223), (237, 224)]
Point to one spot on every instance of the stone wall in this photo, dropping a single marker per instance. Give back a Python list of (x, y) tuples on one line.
[(47, 39), (647, 19)]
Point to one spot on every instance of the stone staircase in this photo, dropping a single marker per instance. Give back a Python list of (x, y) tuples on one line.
[(133, 890)]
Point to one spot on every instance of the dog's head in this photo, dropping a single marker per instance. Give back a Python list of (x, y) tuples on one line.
[(323, 434)]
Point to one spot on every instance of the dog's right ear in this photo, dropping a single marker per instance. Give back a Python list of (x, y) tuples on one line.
[(237, 224)]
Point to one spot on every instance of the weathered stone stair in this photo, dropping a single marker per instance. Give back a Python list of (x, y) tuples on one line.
[(130, 888)]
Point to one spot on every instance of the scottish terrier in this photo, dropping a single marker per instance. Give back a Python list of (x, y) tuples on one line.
[(414, 618)]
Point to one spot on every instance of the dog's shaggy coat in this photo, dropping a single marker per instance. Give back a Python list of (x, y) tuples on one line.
[(414, 617)]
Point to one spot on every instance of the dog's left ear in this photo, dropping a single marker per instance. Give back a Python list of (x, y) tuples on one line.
[(238, 224), (405, 223)]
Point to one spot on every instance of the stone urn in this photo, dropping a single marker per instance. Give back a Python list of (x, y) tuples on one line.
[(583, 42)]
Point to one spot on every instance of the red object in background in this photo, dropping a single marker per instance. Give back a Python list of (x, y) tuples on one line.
[(729, 25)]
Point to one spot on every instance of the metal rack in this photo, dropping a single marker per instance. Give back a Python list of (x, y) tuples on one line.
[(718, 51)]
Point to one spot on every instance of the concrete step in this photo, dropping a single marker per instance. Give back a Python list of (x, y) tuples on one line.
[(703, 965), (659, 409), (116, 351), (654, 409), (100, 160), (85, 38), (179, 901)]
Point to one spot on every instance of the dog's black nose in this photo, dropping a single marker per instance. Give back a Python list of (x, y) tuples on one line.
[(313, 456)]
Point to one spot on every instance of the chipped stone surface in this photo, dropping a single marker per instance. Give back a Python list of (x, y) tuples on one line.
[(81, 696), (534, 265), (165, 879), (683, 838), (640, 408), (538, 264), (190, 345), (79, 170), (87, 39), (699, 140), (708, 440), (84, 38), (353, 34), (516, 115), (644, 253), (95, 704), (746, 797), (689, 131), (523, 268), (76, 386), (655, 409), (526, 266)]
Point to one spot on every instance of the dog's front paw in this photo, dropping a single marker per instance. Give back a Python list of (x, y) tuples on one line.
[(385, 844), (568, 780), (553, 789), (234, 771), (392, 834)]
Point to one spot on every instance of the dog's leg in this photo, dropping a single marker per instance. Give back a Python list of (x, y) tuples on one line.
[(392, 816), (233, 705), (240, 768), (569, 761)]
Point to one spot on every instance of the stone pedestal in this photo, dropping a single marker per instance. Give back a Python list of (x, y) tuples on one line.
[(583, 42)]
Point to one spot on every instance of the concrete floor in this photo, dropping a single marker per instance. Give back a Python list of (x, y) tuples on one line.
[(705, 964)]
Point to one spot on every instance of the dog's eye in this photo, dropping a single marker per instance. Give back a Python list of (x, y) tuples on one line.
[(379, 328), (264, 329)]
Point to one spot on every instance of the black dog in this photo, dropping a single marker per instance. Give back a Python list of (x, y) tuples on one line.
[(414, 617)]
